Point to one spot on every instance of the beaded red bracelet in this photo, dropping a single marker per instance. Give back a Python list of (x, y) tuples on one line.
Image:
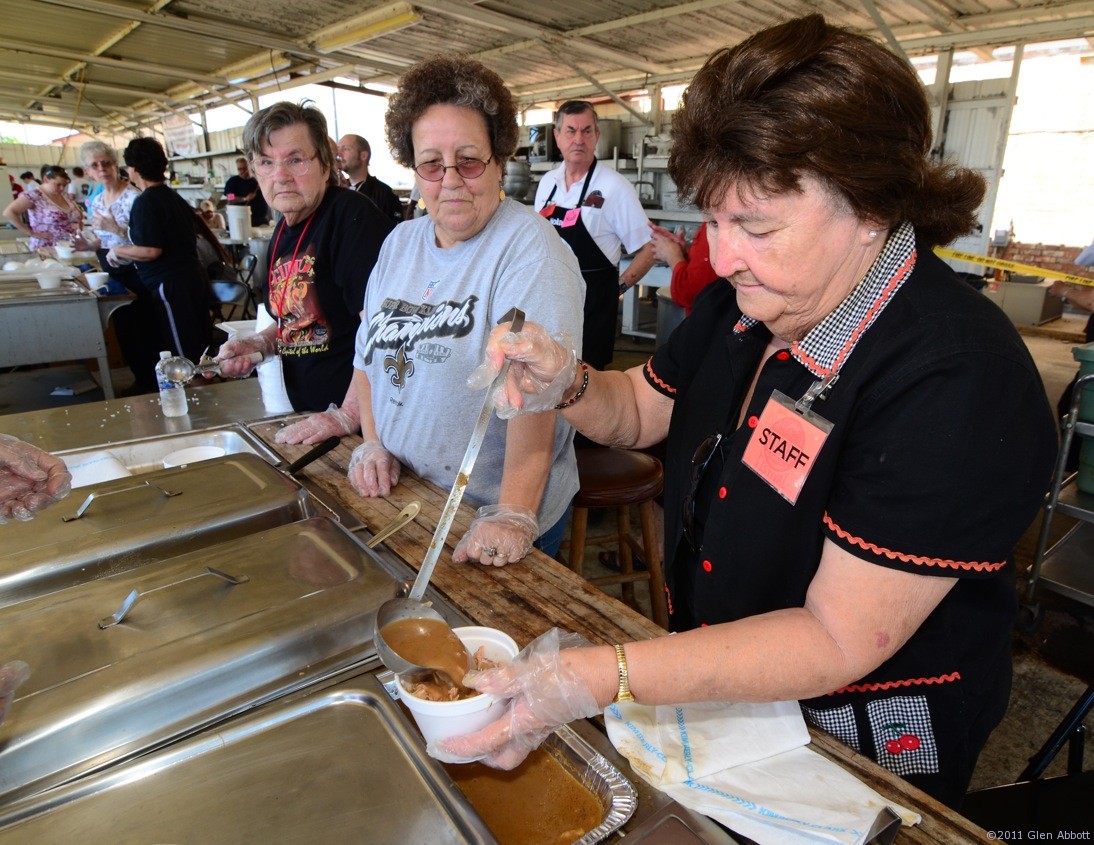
[(580, 391)]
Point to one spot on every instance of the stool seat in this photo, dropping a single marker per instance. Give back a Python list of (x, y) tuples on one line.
[(617, 479), (614, 477)]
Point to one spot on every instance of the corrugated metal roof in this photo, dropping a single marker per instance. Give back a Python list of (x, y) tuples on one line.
[(116, 65)]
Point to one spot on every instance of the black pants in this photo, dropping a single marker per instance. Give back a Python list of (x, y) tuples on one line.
[(136, 326)]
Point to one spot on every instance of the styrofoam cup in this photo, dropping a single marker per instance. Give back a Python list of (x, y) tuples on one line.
[(48, 281), (192, 455), (441, 719), (97, 280)]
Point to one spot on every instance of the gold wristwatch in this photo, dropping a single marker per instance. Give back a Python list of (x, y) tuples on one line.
[(624, 693)]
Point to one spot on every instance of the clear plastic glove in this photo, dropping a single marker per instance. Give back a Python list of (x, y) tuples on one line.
[(333, 422), (544, 694), (12, 675), (373, 470), (30, 479), (499, 535), (233, 354), (542, 369)]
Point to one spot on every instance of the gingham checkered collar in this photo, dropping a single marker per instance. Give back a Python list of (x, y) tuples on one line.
[(827, 346)]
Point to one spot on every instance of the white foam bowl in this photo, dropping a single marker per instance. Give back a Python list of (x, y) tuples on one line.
[(96, 280), (442, 719), (64, 252), (192, 455), (48, 281)]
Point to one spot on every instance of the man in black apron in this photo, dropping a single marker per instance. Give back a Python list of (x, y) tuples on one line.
[(576, 136)]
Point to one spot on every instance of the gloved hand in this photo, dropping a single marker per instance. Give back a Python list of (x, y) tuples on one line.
[(499, 535), (373, 470), (30, 479), (12, 675), (542, 369), (543, 692), (115, 260), (233, 354), (333, 422)]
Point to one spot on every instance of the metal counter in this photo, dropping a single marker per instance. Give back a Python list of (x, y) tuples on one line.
[(136, 417)]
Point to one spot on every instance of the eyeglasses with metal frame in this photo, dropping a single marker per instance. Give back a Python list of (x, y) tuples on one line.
[(468, 168), (296, 165)]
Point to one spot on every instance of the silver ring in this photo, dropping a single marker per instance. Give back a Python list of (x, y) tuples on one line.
[(490, 551)]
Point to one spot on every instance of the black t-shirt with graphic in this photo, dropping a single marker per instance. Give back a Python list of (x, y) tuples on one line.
[(318, 270)]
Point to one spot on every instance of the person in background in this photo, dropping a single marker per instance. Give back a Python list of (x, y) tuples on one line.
[(598, 213), (319, 259), (213, 218), (52, 216), (440, 286), (354, 154), (111, 207), (163, 231), (844, 488), (691, 270), (242, 189), (27, 178), (30, 479), (79, 186)]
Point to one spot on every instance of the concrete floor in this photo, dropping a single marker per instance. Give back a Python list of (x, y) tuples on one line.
[(1053, 665)]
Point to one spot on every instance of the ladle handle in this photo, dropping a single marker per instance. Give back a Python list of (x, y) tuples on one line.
[(433, 553)]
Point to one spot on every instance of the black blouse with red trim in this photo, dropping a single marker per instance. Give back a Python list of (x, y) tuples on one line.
[(940, 454)]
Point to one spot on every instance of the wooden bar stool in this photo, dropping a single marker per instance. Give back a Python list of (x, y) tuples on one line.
[(616, 479)]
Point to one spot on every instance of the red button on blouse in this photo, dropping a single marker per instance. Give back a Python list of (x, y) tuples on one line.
[(721, 492), (707, 566), (752, 421), (782, 355)]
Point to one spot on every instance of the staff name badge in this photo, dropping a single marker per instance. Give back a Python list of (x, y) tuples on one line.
[(785, 444), (570, 218)]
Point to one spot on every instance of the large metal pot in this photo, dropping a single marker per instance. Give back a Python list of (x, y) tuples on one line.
[(518, 179)]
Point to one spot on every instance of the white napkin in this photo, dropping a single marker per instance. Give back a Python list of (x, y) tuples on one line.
[(746, 766)]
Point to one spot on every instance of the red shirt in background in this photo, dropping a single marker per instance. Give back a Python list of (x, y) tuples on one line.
[(693, 274)]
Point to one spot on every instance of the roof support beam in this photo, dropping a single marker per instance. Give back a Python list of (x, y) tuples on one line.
[(883, 28), (631, 109)]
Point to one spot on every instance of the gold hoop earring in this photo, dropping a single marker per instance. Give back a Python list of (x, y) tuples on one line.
[(421, 204)]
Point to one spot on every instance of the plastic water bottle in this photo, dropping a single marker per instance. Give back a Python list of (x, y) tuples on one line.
[(172, 396)]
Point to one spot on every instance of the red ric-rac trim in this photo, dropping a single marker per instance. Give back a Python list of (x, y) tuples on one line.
[(668, 388), (918, 560), (908, 682)]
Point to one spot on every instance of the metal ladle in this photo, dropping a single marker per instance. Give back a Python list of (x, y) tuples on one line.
[(412, 607)]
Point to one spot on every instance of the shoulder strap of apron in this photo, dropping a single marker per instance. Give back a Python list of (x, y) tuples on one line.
[(584, 187)]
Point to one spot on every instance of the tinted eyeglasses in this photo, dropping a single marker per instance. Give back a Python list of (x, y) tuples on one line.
[(468, 168), (699, 463)]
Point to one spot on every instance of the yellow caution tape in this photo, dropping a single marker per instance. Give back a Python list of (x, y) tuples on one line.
[(1013, 266)]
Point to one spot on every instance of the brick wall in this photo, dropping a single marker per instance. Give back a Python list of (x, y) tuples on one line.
[(1049, 257)]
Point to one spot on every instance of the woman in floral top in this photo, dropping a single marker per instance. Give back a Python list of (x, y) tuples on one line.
[(52, 214)]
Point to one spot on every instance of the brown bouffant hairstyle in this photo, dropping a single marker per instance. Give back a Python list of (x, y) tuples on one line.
[(262, 124), (457, 81), (808, 98)]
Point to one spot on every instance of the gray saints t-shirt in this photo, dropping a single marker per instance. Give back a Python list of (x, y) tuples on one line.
[(428, 314)]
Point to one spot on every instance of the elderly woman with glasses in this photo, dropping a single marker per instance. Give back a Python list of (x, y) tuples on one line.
[(441, 284), (52, 215), (856, 440), (319, 259)]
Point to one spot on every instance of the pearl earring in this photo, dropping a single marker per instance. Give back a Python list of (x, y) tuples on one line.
[(873, 234), (421, 204)]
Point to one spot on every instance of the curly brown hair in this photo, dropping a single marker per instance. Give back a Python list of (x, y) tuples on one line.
[(803, 98), (456, 80)]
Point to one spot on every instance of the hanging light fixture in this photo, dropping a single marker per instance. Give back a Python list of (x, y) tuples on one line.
[(382, 21)]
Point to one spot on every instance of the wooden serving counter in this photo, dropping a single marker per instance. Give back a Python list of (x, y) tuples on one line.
[(537, 594)]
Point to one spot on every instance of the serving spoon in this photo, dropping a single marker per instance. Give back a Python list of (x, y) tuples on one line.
[(180, 370)]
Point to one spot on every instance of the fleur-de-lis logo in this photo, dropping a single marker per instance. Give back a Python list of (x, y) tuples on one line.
[(400, 367)]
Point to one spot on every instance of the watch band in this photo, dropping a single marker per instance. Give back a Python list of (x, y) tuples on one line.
[(624, 693)]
